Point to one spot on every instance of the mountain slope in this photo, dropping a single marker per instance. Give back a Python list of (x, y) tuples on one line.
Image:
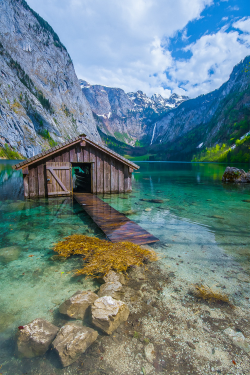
[(41, 101), (220, 117), (127, 117)]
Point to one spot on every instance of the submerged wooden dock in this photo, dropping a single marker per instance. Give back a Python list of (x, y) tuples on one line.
[(114, 224)]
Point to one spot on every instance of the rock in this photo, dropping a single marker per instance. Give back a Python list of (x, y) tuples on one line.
[(72, 340), (108, 313), (76, 306), (191, 345), (233, 174), (35, 338), (149, 351), (130, 212), (238, 339), (148, 209), (112, 289), (9, 253), (156, 201), (113, 276)]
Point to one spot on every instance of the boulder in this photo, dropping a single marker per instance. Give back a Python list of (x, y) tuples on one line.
[(35, 338), (10, 253), (76, 306), (238, 339), (233, 174), (72, 340), (149, 351), (112, 289), (108, 313), (113, 276)]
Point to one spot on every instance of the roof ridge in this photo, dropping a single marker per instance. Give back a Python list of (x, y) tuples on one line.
[(71, 141)]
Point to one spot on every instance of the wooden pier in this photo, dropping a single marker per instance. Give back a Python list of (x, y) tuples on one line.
[(114, 224)]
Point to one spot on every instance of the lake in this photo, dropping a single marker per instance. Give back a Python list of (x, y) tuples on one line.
[(203, 226)]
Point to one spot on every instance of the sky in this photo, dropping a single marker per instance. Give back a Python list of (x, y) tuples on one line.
[(157, 46)]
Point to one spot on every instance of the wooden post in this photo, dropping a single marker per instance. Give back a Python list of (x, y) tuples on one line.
[(41, 180), (26, 185), (99, 172), (92, 159), (106, 174), (114, 181), (121, 177)]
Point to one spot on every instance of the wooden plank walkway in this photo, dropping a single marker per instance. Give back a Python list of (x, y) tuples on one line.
[(114, 224)]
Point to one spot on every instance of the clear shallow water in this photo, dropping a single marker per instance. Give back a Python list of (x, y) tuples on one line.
[(203, 227)]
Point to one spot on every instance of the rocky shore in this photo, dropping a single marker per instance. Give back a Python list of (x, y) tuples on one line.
[(233, 174), (182, 334)]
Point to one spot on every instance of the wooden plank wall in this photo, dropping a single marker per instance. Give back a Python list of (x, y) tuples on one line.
[(108, 174)]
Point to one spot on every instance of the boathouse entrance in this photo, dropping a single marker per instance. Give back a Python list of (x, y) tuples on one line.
[(81, 177)]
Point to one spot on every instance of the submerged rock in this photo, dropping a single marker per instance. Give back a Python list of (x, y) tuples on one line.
[(108, 313), (113, 276), (35, 338), (112, 289), (130, 212), (149, 351), (10, 253), (76, 306), (72, 340), (233, 174), (238, 339)]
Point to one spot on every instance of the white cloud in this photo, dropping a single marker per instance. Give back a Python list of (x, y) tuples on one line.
[(216, 53), (243, 25), (124, 43)]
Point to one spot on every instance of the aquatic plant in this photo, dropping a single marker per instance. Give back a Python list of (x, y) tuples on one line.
[(207, 294), (101, 256)]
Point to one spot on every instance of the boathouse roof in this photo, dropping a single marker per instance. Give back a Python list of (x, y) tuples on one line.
[(71, 142)]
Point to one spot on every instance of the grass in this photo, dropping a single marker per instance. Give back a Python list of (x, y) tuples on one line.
[(7, 153), (145, 157), (101, 256)]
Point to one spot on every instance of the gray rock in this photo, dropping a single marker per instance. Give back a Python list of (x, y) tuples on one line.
[(72, 340), (233, 174), (113, 276), (127, 113), (24, 115), (35, 338), (238, 339), (112, 289), (108, 313), (149, 351), (76, 306)]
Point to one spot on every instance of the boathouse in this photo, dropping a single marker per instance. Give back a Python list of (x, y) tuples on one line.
[(77, 166)]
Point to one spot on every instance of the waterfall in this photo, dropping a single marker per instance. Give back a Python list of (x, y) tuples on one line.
[(153, 134)]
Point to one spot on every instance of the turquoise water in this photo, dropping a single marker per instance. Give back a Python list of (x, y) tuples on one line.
[(203, 227)]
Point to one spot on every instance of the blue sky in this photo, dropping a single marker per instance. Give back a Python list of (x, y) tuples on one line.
[(157, 46)]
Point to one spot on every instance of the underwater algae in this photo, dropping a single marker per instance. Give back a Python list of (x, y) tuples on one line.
[(101, 256), (210, 295)]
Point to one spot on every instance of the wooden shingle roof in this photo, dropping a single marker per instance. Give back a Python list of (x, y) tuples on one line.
[(71, 142)]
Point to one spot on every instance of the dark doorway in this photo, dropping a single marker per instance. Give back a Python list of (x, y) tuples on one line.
[(81, 176)]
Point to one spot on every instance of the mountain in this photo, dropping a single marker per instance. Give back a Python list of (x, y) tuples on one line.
[(218, 119), (128, 117), (41, 101)]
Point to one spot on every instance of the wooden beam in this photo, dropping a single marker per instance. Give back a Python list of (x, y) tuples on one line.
[(83, 144), (25, 170)]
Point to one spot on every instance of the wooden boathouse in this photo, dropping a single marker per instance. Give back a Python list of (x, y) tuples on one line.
[(79, 165), (83, 168)]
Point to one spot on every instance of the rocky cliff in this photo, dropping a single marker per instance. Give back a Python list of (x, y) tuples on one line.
[(41, 101), (127, 116), (222, 116)]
